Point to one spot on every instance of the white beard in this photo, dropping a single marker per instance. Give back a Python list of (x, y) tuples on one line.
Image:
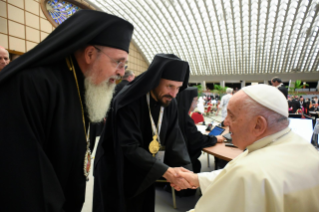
[(98, 98)]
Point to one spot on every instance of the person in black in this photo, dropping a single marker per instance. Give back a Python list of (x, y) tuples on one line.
[(194, 139), (126, 79), (315, 100), (125, 170), (278, 83), (301, 102), (295, 104), (47, 107)]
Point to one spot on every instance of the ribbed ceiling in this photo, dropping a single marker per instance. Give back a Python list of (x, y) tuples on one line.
[(220, 37)]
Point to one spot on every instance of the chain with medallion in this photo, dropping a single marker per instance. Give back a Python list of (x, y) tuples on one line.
[(155, 144), (87, 155)]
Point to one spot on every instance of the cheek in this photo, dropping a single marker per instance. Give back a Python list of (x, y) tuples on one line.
[(103, 71)]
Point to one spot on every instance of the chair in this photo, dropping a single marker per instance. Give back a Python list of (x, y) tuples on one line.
[(173, 192), (197, 117)]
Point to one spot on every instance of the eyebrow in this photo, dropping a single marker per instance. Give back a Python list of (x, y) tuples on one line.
[(175, 86), (228, 111), (122, 58)]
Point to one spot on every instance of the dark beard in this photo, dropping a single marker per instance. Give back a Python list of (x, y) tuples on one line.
[(165, 104)]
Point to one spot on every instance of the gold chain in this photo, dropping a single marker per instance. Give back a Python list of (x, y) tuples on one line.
[(87, 157), (71, 66)]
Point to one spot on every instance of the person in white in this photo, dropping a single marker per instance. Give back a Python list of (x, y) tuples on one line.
[(200, 105), (278, 172), (224, 102)]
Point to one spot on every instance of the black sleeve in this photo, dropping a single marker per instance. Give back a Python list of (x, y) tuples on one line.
[(196, 140)]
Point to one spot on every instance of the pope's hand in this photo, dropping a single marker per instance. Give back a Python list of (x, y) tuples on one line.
[(172, 176), (190, 177)]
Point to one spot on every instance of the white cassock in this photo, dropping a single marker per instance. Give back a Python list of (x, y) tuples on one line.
[(200, 105), (270, 176)]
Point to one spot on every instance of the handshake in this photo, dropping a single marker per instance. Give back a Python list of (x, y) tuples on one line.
[(181, 178)]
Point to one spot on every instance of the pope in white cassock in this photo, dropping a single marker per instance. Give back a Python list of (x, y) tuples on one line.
[(279, 171)]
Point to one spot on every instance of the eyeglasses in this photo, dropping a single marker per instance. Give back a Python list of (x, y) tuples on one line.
[(119, 64)]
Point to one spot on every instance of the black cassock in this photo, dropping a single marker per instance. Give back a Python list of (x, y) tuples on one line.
[(124, 170), (120, 86), (42, 140), (41, 129), (140, 168), (194, 139)]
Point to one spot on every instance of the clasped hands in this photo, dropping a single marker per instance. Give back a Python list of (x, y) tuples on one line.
[(181, 178)]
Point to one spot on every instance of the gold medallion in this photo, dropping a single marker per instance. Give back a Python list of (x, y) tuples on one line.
[(154, 146), (87, 164)]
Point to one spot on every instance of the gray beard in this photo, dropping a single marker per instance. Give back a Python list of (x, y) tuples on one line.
[(98, 99)]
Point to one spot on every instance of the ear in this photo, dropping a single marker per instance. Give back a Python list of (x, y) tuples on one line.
[(90, 54), (260, 126)]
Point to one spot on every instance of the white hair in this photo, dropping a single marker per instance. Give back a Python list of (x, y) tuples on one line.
[(98, 98), (229, 90), (274, 120)]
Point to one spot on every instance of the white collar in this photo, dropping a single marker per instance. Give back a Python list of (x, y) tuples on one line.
[(279, 85)]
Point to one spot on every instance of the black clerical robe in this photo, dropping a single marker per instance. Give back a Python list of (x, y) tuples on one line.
[(283, 90), (120, 86), (96, 128), (196, 141), (137, 170), (42, 140)]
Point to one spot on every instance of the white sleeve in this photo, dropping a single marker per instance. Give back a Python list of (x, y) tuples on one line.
[(206, 178)]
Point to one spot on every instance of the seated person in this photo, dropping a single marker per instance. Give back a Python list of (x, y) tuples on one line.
[(209, 108), (194, 139), (267, 176)]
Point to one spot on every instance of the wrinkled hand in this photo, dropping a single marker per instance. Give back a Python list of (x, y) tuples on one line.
[(172, 176), (220, 139), (190, 177)]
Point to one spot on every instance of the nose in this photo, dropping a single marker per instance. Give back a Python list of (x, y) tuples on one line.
[(226, 121), (174, 93), (120, 72)]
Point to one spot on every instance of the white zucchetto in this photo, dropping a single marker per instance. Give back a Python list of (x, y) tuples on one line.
[(269, 97)]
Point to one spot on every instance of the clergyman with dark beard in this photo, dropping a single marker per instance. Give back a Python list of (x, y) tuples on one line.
[(143, 130), (50, 96)]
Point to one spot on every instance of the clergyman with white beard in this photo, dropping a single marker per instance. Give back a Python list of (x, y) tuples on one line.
[(51, 95)]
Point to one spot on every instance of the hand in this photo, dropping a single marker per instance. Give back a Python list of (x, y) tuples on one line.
[(190, 177), (220, 139), (172, 176)]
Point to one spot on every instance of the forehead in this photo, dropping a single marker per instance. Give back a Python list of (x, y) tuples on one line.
[(171, 82), (3, 53), (235, 102), (114, 52)]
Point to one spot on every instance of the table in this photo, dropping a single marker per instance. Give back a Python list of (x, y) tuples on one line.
[(223, 152), (220, 150)]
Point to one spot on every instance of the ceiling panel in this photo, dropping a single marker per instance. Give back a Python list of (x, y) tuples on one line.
[(226, 37)]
